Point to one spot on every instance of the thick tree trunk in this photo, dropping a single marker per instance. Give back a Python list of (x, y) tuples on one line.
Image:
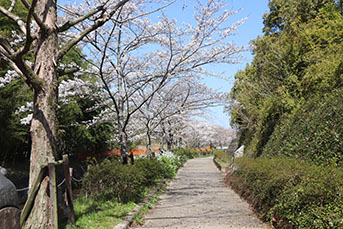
[(44, 123)]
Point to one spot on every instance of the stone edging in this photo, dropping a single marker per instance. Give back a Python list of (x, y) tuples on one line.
[(130, 217), (220, 168)]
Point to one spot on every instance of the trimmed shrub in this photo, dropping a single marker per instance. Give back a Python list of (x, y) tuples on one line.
[(110, 179), (185, 154), (290, 192), (152, 169)]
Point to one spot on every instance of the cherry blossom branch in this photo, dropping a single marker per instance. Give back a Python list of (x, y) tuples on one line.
[(101, 21), (107, 87), (70, 24), (148, 13)]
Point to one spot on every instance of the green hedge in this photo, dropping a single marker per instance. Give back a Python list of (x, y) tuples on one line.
[(314, 132), (186, 154), (222, 155), (109, 179), (290, 192)]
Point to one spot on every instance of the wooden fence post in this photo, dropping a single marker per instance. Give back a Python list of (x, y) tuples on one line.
[(69, 194), (32, 195), (53, 196)]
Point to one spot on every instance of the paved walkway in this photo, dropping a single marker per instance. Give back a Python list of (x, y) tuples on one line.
[(198, 198)]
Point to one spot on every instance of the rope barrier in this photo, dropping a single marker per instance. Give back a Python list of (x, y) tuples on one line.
[(27, 188), (61, 183), (74, 179), (22, 189)]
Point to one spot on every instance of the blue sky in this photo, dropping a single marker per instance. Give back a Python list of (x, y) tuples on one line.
[(254, 10)]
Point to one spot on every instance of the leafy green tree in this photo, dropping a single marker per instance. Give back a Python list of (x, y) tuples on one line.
[(298, 58), (284, 12), (14, 137)]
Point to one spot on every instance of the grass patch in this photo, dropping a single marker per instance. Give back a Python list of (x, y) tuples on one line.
[(99, 214), (222, 158), (223, 163), (111, 190)]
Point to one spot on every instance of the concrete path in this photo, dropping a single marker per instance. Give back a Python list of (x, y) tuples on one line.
[(198, 198)]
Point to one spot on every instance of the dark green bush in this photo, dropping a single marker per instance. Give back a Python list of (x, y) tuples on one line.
[(185, 153), (292, 191), (152, 169), (110, 179), (314, 132)]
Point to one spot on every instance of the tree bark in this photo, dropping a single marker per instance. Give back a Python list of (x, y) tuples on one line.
[(148, 141), (163, 136), (44, 123), (123, 146), (170, 140)]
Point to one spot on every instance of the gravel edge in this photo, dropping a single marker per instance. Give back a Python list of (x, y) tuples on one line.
[(219, 167), (124, 224)]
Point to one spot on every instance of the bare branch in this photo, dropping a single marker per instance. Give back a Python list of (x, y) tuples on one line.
[(35, 16), (7, 50), (21, 52), (69, 24), (16, 62), (68, 10), (12, 5), (147, 13), (101, 21), (66, 71), (14, 67), (14, 18)]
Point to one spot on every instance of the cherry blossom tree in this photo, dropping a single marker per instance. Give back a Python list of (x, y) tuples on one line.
[(187, 132), (198, 134), (183, 97), (144, 55), (40, 32)]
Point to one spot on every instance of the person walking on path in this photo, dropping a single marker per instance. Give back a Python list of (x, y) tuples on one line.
[(198, 198)]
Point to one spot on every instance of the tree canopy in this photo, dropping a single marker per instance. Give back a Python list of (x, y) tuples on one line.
[(297, 60)]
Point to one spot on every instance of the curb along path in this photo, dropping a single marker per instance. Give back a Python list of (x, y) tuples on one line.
[(198, 198)]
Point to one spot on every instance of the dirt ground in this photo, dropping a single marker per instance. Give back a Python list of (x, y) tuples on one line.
[(198, 198)]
